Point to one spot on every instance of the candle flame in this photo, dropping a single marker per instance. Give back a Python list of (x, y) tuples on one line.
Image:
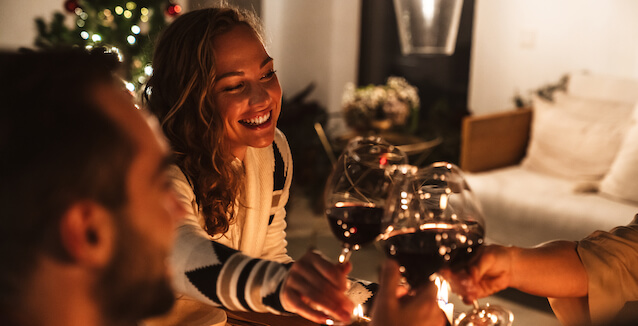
[(442, 294), (442, 297), (359, 315)]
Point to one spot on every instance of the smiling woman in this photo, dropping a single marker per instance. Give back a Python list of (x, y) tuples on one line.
[(212, 88), (215, 91), (246, 91)]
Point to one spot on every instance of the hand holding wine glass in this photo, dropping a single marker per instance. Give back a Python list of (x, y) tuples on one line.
[(314, 289), (392, 308), (489, 273)]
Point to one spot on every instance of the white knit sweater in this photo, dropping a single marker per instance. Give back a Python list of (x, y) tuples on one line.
[(206, 271)]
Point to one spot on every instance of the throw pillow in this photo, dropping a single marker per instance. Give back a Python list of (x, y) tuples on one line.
[(603, 87), (592, 109), (574, 138), (621, 182)]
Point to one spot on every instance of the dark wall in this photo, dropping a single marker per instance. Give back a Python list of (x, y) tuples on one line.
[(442, 80)]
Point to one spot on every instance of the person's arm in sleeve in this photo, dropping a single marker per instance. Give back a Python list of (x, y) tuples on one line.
[(217, 275)]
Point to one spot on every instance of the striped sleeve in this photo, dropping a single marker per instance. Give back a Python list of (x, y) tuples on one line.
[(215, 274), (220, 276)]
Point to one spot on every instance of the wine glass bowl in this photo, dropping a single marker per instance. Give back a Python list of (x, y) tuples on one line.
[(432, 220), (446, 197), (356, 191)]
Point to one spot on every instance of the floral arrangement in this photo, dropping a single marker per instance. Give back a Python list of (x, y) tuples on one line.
[(393, 106)]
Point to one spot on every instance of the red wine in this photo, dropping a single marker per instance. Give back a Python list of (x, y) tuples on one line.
[(417, 253), (355, 224), (423, 252), (464, 245)]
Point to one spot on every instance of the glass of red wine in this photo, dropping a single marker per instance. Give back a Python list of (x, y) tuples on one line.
[(357, 189), (433, 220), (355, 195)]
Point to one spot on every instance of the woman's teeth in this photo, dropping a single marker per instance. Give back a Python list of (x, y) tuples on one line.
[(257, 120)]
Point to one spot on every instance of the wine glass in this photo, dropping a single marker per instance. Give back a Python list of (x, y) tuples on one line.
[(356, 191), (432, 221), (355, 194), (410, 234)]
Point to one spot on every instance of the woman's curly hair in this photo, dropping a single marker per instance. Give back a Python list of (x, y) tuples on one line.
[(180, 94)]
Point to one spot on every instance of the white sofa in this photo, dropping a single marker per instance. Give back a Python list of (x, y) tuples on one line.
[(560, 170)]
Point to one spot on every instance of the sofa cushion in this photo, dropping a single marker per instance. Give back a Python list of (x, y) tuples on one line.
[(603, 87), (576, 138), (621, 182), (526, 208), (592, 109)]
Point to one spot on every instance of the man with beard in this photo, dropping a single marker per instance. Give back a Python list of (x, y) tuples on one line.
[(88, 210), (88, 215)]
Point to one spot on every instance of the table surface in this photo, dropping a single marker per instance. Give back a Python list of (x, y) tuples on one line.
[(260, 319)]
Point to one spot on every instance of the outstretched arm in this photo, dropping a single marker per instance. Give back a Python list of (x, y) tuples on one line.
[(552, 269), (217, 275)]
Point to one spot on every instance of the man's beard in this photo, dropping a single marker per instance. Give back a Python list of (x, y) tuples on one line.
[(131, 288)]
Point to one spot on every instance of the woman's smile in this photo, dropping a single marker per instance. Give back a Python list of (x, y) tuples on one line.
[(258, 121)]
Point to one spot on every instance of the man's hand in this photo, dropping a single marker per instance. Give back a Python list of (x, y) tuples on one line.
[(489, 272), (393, 308)]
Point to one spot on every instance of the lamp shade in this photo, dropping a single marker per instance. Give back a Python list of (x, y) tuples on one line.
[(428, 26)]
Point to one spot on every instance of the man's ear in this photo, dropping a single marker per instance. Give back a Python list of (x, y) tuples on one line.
[(87, 232)]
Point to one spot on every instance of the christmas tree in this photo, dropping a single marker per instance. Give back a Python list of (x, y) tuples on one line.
[(128, 28)]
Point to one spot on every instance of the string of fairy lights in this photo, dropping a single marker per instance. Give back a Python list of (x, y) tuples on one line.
[(127, 28)]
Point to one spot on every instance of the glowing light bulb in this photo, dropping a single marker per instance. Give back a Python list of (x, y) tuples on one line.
[(130, 86), (135, 29), (131, 39)]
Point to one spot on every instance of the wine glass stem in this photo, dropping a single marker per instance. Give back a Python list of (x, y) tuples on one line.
[(344, 257), (475, 305)]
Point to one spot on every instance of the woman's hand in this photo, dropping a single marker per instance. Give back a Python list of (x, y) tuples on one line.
[(393, 308), (315, 289)]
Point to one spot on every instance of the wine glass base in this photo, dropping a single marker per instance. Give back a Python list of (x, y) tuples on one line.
[(485, 316)]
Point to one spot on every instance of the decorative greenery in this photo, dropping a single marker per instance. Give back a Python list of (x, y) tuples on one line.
[(546, 92), (393, 106), (128, 28)]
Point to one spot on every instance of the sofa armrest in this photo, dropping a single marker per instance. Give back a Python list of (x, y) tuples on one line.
[(494, 140)]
